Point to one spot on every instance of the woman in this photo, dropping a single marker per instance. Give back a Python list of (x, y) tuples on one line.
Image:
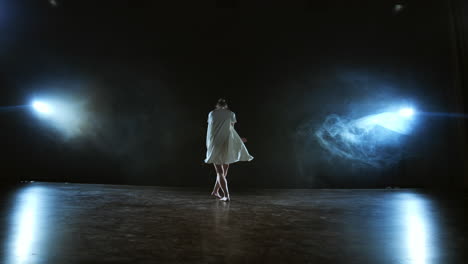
[(224, 146)]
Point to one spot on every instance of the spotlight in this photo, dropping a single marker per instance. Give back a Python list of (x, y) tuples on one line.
[(372, 139), (42, 107), (406, 112), (66, 114)]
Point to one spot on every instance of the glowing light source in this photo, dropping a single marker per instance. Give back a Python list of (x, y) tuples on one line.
[(397, 122), (65, 113), (407, 112), (42, 107), (373, 139)]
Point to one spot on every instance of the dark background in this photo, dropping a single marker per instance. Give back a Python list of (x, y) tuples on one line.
[(150, 71)]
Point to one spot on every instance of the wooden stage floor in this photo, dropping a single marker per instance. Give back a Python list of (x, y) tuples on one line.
[(47, 223)]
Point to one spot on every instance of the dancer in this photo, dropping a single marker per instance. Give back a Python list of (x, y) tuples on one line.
[(224, 146)]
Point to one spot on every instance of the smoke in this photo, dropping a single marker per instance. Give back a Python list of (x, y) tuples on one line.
[(68, 115), (374, 140), (139, 128), (131, 123)]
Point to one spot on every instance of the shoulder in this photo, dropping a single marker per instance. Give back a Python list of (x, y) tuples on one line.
[(210, 114)]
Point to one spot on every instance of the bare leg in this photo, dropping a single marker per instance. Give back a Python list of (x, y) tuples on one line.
[(225, 169), (223, 182), (217, 186)]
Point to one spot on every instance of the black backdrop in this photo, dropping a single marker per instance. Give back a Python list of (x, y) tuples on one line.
[(150, 71)]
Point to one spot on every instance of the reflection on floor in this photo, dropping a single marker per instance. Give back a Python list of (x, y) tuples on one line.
[(84, 223)]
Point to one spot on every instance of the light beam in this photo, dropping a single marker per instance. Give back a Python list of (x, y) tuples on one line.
[(66, 114), (407, 112), (42, 107), (373, 139)]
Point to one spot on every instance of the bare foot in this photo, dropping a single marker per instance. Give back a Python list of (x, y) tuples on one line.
[(225, 199), (216, 195)]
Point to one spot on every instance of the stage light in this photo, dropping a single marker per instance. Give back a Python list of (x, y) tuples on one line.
[(399, 122), (65, 113), (42, 107), (372, 139), (406, 112)]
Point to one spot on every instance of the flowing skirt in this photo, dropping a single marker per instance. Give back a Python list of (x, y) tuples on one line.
[(226, 149)]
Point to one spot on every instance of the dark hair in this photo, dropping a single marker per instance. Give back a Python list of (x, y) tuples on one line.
[(221, 103)]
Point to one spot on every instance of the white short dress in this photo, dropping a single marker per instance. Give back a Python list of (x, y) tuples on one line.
[(223, 144)]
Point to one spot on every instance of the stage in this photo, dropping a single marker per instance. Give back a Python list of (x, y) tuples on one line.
[(92, 223)]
